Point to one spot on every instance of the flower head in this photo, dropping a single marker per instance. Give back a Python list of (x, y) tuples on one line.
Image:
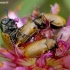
[(57, 58)]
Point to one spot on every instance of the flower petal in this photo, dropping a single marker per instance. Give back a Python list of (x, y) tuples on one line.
[(64, 33), (19, 51), (55, 9), (26, 61), (7, 65), (6, 54), (21, 68), (47, 33), (66, 61), (41, 62), (68, 22), (25, 19), (35, 13), (62, 48)]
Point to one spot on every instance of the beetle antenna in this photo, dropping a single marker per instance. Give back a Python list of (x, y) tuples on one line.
[(6, 12)]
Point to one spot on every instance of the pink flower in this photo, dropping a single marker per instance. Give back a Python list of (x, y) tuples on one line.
[(35, 13), (6, 53), (5, 65), (62, 48), (47, 33), (55, 9), (41, 61), (19, 50), (65, 61), (64, 34), (21, 68), (68, 22), (25, 19), (55, 59)]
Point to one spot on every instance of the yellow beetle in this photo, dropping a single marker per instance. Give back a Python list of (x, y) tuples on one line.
[(29, 29), (56, 21), (37, 48)]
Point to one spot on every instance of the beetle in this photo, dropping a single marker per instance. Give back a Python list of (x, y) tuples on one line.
[(9, 32), (35, 49), (8, 26), (30, 28), (56, 21)]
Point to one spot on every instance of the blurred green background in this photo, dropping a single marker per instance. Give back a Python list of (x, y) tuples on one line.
[(28, 6)]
